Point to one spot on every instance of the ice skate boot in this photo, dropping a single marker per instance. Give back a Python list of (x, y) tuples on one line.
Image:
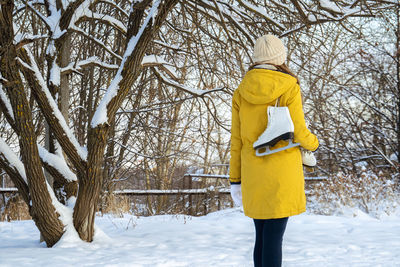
[(280, 127)]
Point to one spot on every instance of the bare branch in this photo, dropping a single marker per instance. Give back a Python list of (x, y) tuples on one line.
[(194, 92), (51, 112)]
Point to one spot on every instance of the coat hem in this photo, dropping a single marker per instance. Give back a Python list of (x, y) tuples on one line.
[(274, 215)]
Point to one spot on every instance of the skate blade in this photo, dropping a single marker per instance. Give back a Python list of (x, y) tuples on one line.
[(308, 168), (285, 136), (268, 151)]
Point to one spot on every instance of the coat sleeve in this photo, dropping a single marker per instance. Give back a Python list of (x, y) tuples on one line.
[(236, 142), (301, 133)]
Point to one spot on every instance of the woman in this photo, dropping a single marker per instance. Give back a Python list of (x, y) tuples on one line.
[(272, 185)]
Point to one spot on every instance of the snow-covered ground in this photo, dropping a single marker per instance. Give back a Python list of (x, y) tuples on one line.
[(223, 238)]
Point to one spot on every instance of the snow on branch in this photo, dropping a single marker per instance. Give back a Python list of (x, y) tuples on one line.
[(323, 15), (81, 64), (334, 11), (192, 91), (57, 113), (154, 60), (22, 39), (54, 19), (6, 102), (107, 19), (81, 11), (12, 158), (100, 116), (58, 163), (328, 5), (40, 15), (52, 22)]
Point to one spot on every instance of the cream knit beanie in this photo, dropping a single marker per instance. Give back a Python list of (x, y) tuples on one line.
[(269, 49)]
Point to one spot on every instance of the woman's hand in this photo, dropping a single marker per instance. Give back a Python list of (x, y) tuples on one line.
[(236, 194), (308, 158)]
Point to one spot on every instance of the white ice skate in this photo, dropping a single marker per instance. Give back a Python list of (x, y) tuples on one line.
[(280, 127)]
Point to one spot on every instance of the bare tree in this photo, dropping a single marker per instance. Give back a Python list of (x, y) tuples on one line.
[(87, 164)]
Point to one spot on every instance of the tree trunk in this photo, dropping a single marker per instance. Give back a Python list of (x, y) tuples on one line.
[(63, 188), (43, 211), (398, 80), (90, 185)]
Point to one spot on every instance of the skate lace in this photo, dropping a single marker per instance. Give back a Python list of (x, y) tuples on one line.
[(270, 116)]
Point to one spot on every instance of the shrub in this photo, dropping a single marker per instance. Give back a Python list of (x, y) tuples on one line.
[(375, 194)]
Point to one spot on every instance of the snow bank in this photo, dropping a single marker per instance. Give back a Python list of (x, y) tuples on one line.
[(223, 238)]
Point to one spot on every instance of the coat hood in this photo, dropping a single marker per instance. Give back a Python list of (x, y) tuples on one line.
[(262, 86)]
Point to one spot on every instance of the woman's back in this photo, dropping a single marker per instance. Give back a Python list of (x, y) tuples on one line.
[(273, 185)]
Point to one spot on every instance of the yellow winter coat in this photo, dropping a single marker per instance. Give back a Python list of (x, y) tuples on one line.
[(272, 185)]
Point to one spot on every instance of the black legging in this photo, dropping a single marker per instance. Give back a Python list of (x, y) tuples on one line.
[(268, 247)]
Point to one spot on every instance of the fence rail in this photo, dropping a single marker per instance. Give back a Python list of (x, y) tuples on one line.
[(203, 175), (155, 192), (201, 191), (8, 190)]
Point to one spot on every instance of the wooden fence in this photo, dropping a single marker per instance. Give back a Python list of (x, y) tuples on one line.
[(187, 193)]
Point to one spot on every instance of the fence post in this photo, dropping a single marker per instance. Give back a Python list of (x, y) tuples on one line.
[(206, 198), (219, 200), (190, 195)]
